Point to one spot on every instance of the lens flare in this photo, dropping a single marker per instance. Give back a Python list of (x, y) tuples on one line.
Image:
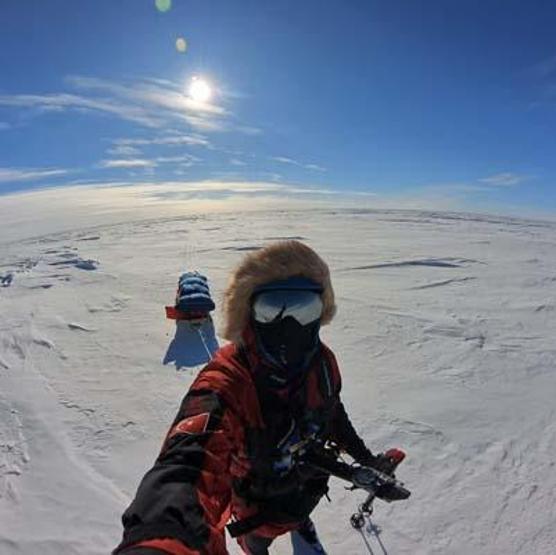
[(181, 45), (200, 90), (163, 5)]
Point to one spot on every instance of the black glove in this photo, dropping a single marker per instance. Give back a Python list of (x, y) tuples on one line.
[(379, 462)]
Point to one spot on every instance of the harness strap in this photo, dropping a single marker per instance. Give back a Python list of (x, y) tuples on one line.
[(325, 380)]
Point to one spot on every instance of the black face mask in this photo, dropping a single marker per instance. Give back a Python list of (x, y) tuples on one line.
[(288, 345)]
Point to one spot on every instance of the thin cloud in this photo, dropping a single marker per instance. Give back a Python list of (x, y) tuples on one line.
[(237, 162), (292, 162), (204, 123), (123, 150), (4, 125), (505, 179), (8, 175), (186, 160), (163, 95), (315, 167), (147, 103), (154, 104), (127, 163), (168, 140), (184, 189), (62, 102), (157, 81), (166, 101), (178, 188), (273, 176), (284, 160)]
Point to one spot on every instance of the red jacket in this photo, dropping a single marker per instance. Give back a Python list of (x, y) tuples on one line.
[(220, 457)]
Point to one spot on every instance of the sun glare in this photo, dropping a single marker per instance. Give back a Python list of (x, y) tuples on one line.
[(200, 90), (163, 5), (181, 44)]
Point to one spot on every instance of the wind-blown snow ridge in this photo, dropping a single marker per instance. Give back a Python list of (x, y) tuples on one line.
[(444, 282), (430, 262)]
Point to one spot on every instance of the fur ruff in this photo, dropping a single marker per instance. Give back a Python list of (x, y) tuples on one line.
[(277, 261)]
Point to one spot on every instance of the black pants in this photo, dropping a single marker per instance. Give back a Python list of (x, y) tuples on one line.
[(304, 503), (304, 540)]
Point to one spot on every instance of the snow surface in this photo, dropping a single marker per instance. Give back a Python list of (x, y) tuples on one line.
[(445, 335)]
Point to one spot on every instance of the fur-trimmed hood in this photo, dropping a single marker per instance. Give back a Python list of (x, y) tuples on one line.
[(277, 261)]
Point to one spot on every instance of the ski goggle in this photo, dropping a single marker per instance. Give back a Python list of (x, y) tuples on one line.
[(271, 306)]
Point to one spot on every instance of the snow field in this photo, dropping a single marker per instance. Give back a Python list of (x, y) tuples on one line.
[(444, 333)]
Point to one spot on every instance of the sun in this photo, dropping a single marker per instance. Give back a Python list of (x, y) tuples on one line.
[(200, 90)]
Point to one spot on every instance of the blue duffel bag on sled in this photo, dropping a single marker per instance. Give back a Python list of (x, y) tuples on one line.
[(193, 300)]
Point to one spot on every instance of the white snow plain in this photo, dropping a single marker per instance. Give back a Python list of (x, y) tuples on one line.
[(445, 334)]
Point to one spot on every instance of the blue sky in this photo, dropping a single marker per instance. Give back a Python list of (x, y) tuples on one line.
[(433, 103)]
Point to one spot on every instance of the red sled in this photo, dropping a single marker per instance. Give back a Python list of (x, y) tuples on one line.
[(173, 313)]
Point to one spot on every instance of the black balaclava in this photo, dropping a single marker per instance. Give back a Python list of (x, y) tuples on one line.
[(288, 343), (285, 344)]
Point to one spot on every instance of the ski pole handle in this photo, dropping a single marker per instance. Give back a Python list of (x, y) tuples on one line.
[(395, 455)]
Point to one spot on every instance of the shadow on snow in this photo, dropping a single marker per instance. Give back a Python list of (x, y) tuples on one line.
[(192, 345)]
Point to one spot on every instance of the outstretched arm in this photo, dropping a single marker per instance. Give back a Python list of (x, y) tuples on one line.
[(345, 436), (182, 503)]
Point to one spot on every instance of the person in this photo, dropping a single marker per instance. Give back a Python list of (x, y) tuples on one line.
[(228, 453)]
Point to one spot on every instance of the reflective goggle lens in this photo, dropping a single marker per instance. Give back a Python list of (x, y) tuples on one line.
[(304, 306)]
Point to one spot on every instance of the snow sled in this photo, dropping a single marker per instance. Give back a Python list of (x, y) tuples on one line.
[(195, 340), (193, 301)]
